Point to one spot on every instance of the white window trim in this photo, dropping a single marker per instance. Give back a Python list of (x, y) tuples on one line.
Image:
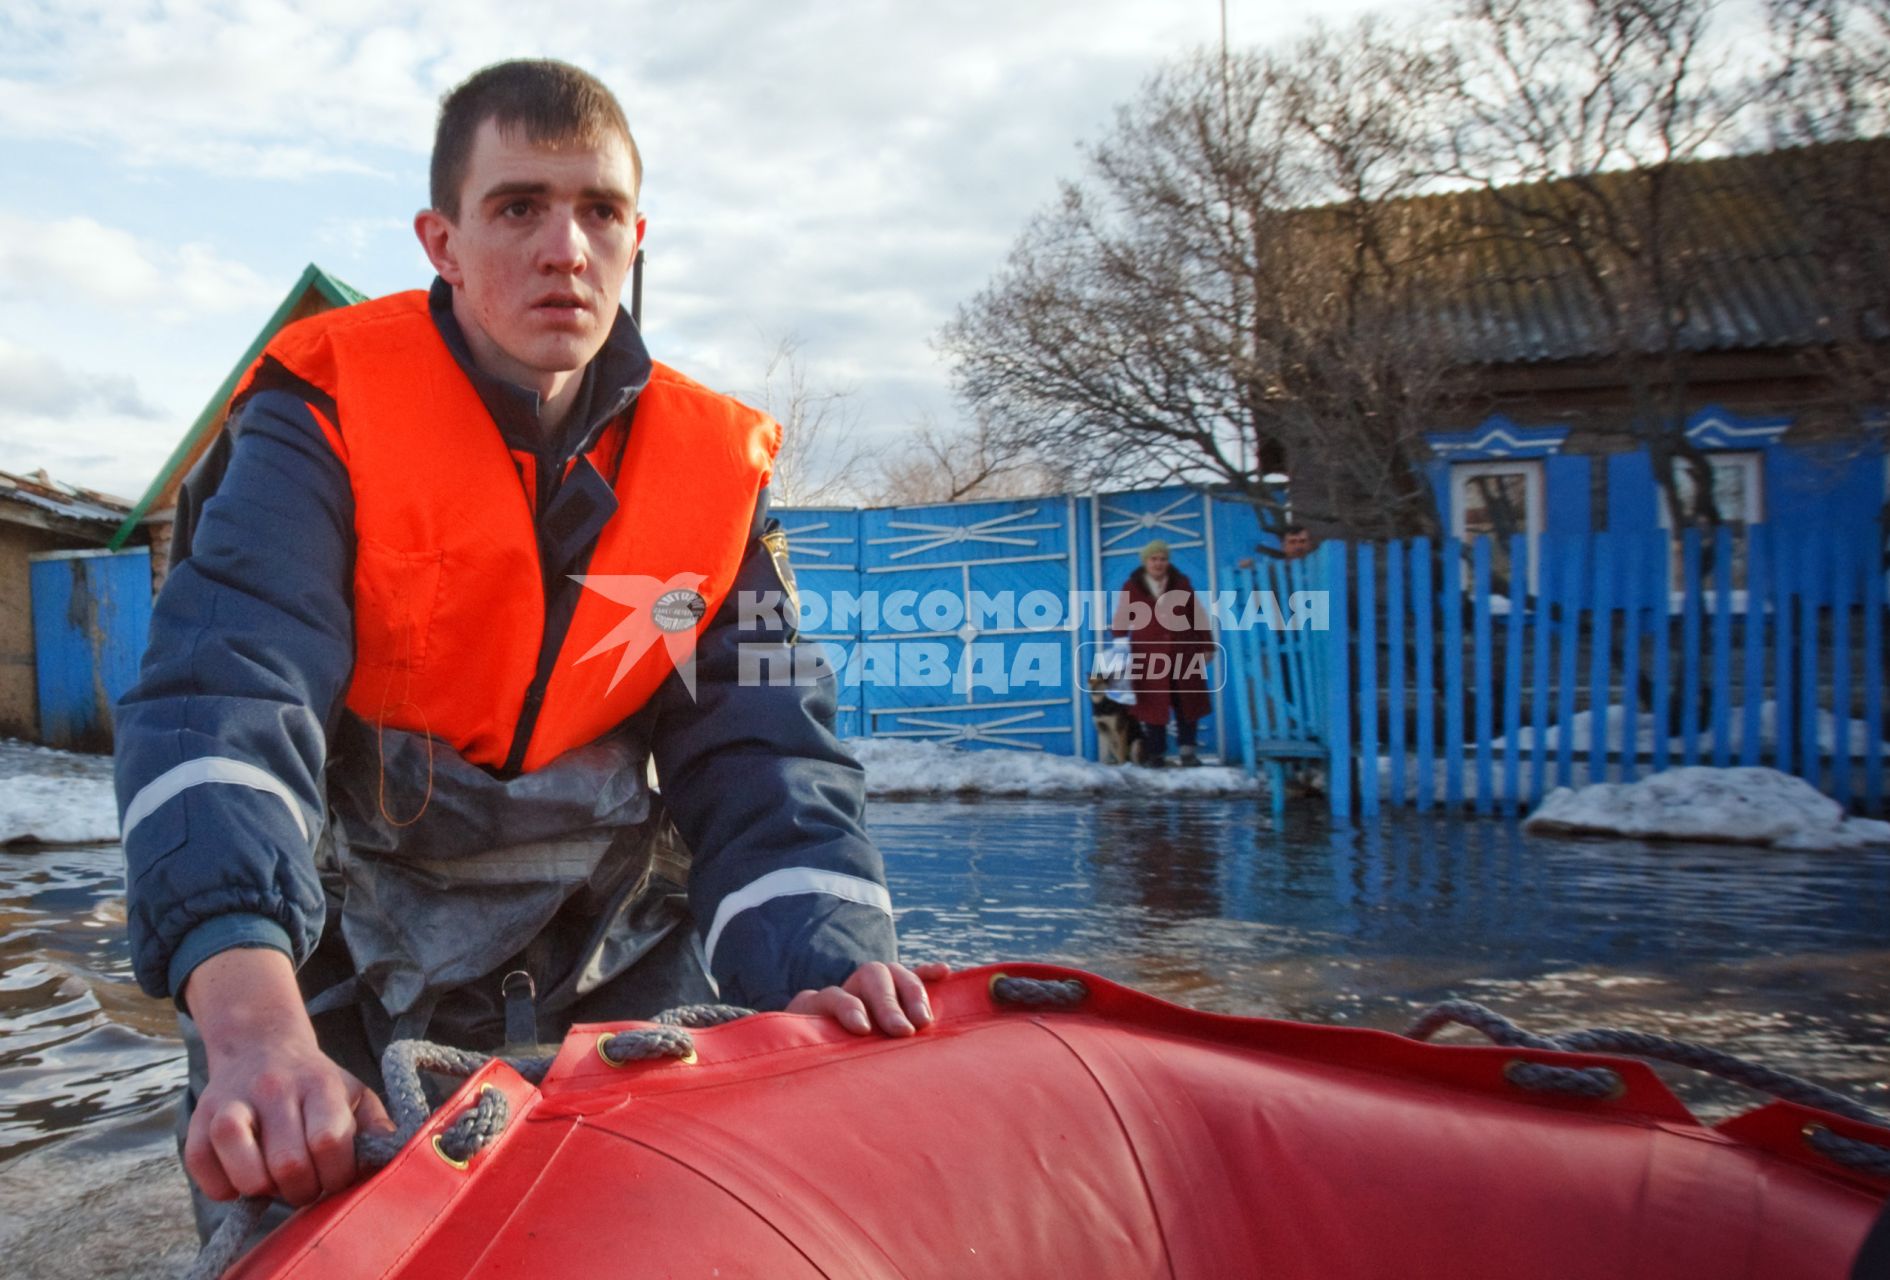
[(1535, 513), (1751, 462)]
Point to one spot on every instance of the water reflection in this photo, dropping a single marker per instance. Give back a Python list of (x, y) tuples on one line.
[(1784, 956), (80, 1046), (1780, 955)]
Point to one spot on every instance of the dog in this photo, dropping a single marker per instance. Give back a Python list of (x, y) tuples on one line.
[(1117, 738)]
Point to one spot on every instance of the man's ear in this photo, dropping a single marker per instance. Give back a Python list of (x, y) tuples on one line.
[(435, 231)]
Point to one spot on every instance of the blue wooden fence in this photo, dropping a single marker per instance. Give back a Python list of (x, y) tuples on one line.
[(1278, 694), (1587, 658)]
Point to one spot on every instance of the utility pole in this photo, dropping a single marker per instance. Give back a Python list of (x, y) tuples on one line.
[(1227, 135)]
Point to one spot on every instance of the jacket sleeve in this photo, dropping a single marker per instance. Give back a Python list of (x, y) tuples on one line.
[(787, 890), (222, 741)]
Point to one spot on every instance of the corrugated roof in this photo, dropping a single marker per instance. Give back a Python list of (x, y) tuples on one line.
[(1498, 289), (42, 492)]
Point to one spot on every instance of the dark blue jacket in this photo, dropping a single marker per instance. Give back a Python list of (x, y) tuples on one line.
[(233, 748)]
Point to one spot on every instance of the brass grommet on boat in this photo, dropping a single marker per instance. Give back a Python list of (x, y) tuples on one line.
[(440, 1151), (990, 988), (439, 1148), (1811, 1131), (687, 1060)]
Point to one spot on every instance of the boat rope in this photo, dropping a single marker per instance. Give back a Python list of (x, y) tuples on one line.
[(402, 1067), (1600, 1082), (1043, 993), (1867, 1156)]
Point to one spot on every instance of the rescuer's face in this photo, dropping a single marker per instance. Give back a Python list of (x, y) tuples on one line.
[(538, 255)]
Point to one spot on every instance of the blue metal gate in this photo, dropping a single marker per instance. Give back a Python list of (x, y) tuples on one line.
[(824, 547), (968, 633), (975, 623)]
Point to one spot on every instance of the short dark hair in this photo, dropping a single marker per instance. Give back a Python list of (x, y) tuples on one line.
[(549, 101), (1292, 529)]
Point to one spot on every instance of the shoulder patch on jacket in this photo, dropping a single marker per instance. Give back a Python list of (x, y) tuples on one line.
[(775, 540)]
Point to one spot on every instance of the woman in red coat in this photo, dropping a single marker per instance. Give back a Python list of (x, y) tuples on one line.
[(1170, 646)]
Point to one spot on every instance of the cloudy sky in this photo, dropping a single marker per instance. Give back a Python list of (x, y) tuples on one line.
[(843, 172)]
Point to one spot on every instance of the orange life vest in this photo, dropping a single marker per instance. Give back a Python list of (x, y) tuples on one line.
[(449, 601)]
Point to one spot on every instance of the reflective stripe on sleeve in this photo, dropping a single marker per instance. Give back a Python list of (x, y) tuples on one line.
[(790, 882), (194, 773)]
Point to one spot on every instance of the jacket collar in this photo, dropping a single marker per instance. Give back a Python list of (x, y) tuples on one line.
[(613, 378)]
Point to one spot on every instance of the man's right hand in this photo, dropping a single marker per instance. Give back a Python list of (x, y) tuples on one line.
[(277, 1117)]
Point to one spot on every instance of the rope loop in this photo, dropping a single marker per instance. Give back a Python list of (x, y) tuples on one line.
[(645, 1043), (1042, 993), (1580, 1082), (700, 1016), (476, 1127), (1867, 1157), (1638, 1044)]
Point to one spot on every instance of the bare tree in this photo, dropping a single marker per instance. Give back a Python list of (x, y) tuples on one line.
[(936, 464), (1574, 119), (1183, 317), (1830, 93), (822, 457)]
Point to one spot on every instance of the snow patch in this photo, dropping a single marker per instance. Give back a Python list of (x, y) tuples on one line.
[(58, 810), (55, 797), (897, 768), (1731, 806), (1857, 733)]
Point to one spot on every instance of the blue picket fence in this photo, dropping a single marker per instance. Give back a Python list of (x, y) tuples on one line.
[(1279, 687), (1484, 674)]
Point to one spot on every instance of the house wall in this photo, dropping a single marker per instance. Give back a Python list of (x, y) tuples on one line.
[(1821, 469), (19, 690)]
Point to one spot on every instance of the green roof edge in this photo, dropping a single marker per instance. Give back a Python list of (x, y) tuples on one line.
[(313, 277)]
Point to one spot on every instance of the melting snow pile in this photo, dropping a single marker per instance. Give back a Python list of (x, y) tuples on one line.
[(895, 767), (55, 797), (1734, 806)]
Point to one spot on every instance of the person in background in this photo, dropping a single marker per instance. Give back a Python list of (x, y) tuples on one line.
[(1296, 543), (1171, 643)]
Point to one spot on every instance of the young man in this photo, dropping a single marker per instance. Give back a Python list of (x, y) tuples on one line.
[(462, 564)]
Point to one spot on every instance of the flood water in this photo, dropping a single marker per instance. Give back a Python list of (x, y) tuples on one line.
[(1781, 956)]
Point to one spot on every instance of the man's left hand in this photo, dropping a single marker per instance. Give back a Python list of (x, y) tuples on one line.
[(889, 996)]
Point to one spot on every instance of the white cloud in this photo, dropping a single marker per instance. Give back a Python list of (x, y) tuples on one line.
[(57, 262), (353, 236), (38, 385), (850, 171), (83, 427)]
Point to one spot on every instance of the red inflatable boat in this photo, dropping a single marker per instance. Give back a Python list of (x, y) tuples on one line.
[(1120, 1137)]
